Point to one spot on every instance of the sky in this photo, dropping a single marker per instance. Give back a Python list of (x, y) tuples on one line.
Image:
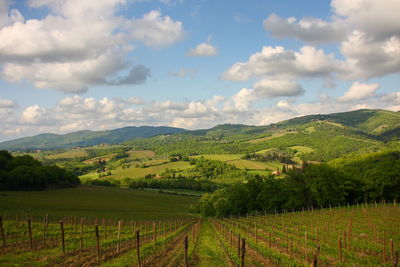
[(69, 65)]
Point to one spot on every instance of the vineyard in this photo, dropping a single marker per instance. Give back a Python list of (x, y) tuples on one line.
[(359, 235)]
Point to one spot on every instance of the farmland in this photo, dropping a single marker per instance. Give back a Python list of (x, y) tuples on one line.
[(304, 192), (95, 201), (358, 235)]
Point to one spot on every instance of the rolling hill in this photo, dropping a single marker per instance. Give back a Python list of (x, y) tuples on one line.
[(342, 132), (86, 138)]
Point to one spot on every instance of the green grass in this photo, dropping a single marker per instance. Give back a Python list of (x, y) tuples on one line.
[(255, 165), (96, 201), (141, 154), (134, 172), (208, 251), (70, 154), (302, 149)]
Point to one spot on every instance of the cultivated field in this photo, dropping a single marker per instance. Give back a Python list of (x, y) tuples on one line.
[(95, 201), (360, 235)]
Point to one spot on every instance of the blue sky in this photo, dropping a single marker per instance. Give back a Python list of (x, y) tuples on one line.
[(68, 65)]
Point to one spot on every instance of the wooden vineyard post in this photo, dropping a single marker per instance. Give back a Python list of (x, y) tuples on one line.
[(98, 243), (186, 251), (81, 237), (62, 237), (30, 233), (154, 234), (165, 233), (105, 228), (138, 247), (305, 246), (45, 226), (269, 240), (243, 252), (75, 225), (238, 245), (118, 235), (290, 247), (255, 228), (230, 238), (340, 249), (3, 237), (391, 250), (384, 250), (193, 233), (315, 259), (396, 259)]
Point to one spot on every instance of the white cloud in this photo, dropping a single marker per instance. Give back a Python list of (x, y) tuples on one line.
[(367, 58), (34, 115), (278, 63), (283, 104), (277, 88), (78, 44), (368, 32), (393, 97), (204, 50), (359, 91), (242, 100), (5, 103), (155, 30), (310, 30), (9, 17), (378, 19)]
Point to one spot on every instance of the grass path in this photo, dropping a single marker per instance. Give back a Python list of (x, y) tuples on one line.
[(208, 250)]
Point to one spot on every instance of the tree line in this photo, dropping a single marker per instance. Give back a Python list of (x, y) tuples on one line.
[(26, 173), (369, 178)]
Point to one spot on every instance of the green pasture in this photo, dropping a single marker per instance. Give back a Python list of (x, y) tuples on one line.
[(134, 172), (96, 201)]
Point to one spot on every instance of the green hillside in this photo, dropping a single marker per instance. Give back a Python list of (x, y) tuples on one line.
[(86, 138)]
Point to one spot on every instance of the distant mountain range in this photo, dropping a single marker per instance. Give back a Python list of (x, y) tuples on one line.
[(86, 138), (379, 125)]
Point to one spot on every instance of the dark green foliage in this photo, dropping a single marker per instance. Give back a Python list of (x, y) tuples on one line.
[(26, 173), (377, 174), (374, 177), (192, 184), (271, 155)]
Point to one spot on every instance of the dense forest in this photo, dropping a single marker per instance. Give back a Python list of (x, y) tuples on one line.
[(26, 173), (373, 177)]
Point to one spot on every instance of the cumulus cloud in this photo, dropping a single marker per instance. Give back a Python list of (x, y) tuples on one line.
[(367, 58), (368, 32), (34, 115), (277, 88), (203, 50), (359, 91), (63, 51), (278, 63), (6, 103), (7, 16), (393, 97), (241, 101), (155, 30), (310, 30)]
